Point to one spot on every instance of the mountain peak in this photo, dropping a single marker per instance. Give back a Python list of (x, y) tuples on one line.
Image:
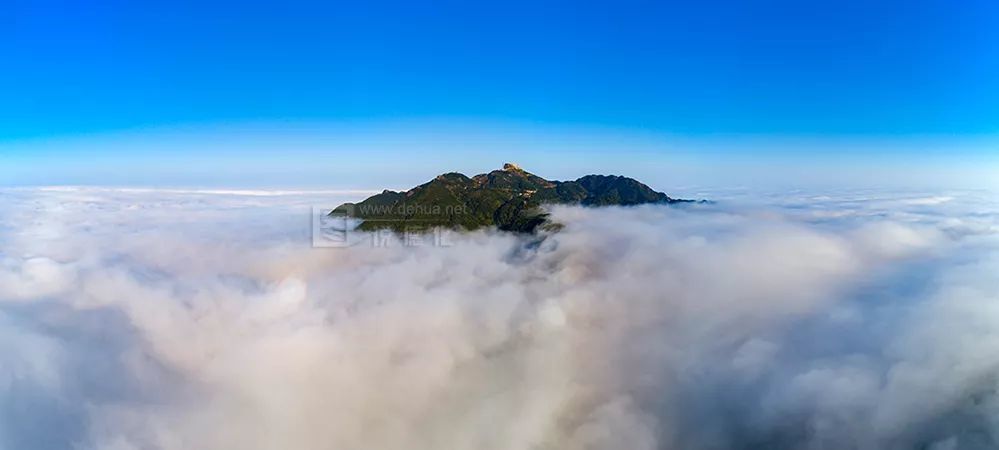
[(510, 199)]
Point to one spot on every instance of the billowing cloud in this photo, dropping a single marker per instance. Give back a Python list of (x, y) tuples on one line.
[(206, 320)]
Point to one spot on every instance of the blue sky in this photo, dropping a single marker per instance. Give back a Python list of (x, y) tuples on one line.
[(285, 93)]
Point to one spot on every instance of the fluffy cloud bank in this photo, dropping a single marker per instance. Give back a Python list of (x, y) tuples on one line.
[(205, 320)]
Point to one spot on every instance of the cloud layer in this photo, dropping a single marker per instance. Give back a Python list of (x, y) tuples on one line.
[(204, 320)]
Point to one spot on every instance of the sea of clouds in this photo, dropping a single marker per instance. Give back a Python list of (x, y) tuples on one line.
[(187, 320)]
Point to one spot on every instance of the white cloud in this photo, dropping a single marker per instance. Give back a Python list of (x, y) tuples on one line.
[(203, 320), (33, 278)]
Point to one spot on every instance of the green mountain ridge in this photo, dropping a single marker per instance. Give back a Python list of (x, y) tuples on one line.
[(510, 199)]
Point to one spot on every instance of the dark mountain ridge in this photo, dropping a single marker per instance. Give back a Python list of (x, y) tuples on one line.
[(510, 199)]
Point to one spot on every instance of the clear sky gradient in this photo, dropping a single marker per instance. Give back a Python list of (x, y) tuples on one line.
[(238, 92)]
